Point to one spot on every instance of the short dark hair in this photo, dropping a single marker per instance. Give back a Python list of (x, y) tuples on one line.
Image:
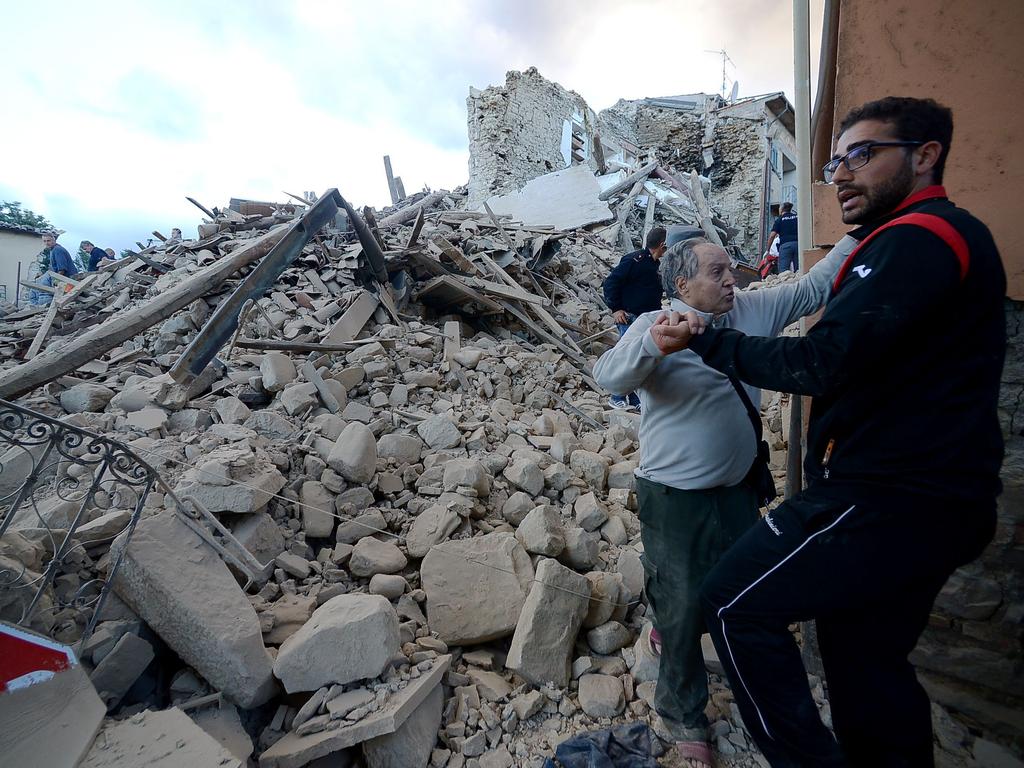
[(786, 207), (85, 243), (914, 120), (655, 238)]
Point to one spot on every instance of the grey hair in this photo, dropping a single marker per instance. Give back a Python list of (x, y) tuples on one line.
[(680, 261)]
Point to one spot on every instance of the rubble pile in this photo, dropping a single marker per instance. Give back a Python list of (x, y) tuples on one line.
[(443, 507)]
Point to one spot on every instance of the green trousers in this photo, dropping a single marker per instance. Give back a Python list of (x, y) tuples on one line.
[(684, 534)]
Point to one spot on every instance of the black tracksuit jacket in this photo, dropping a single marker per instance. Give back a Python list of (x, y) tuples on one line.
[(904, 365), (634, 284)]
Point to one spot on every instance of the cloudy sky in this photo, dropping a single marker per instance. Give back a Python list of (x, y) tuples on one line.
[(115, 111)]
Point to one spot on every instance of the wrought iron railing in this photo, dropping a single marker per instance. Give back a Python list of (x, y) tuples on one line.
[(56, 481)]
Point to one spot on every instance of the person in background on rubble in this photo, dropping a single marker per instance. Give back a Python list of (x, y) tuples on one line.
[(632, 288), (903, 454), (175, 237), (53, 258), (698, 450), (785, 229), (95, 255), (110, 253)]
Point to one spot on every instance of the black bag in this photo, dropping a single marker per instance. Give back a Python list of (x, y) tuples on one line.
[(759, 477)]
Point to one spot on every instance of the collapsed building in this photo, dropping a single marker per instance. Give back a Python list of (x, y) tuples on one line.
[(386, 520), (744, 148)]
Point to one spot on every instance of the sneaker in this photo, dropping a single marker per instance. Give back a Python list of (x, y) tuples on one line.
[(619, 402), (634, 401)]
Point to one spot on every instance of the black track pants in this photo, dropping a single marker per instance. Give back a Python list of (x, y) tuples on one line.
[(867, 573)]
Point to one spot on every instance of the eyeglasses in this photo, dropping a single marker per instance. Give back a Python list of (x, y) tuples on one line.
[(860, 156)]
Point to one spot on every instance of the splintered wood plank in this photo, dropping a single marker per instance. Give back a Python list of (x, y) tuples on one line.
[(501, 229), (44, 330), (416, 229), (354, 318), (458, 258)]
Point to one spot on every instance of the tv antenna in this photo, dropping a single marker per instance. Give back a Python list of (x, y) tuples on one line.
[(725, 58)]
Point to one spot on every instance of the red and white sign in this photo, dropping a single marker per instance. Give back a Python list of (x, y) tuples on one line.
[(27, 658)]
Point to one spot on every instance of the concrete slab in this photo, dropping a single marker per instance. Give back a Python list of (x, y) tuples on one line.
[(293, 751), (564, 199), (167, 739)]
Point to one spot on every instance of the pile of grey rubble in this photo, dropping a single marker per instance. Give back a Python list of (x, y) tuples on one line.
[(448, 506)]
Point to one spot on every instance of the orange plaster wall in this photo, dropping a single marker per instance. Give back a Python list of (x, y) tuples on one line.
[(968, 55)]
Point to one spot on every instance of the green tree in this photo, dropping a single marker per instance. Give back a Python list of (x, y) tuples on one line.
[(11, 212)]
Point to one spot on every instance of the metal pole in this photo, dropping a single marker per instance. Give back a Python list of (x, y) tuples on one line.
[(802, 109)]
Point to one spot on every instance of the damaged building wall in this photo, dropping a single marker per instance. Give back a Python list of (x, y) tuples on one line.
[(523, 130)]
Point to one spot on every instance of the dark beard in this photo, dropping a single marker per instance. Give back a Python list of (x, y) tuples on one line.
[(886, 196)]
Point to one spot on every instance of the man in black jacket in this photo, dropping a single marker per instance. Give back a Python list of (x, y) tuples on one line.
[(633, 288), (903, 455)]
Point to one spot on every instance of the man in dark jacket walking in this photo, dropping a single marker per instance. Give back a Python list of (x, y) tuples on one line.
[(903, 454), (633, 288)]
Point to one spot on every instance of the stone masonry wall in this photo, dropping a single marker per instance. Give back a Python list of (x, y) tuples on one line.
[(737, 177), (515, 132)]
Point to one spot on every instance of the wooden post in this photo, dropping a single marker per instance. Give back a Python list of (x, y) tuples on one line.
[(702, 209), (392, 188)]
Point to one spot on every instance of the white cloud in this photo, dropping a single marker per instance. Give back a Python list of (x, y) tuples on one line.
[(120, 109)]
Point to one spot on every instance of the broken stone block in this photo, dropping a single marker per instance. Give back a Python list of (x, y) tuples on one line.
[(582, 548), (590, 513), (404, 449), (591, 467), (632, 570), (525, 475), (225, 726), (293, 565), (299, 398), (232, 410), (166, 739), (372, 556), (351, 531), (232, 479), (476, 587), (354, 455), (621, 475), (277, 371), (85, 397), (103, 528), (290, 613), (490, 685), (558, 476), (341, 705), (161, 391), (260, 535), (271, 425), (614, 531), (542, 645), (120, 668), (439, 432), (410, 746), (563, 445), (147, 419), (350, 637), (357, 412), (541, 532), (601, 696), (606, 595), (516, 508), (183, 590), (467, 473), (609, 637), (388, 585), (432, 526), (317, 509), (189, 420)]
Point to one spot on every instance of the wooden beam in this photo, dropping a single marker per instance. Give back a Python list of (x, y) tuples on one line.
[(652, 203), (203, 208), (392, 188), (702, 209), (416, 229), (306, 346), (627, 182), (501, 229), (44, 330), (408, 214), (53, 364), (354, 318)]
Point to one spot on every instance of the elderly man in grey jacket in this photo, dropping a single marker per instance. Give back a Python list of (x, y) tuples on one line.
[(697, 445)]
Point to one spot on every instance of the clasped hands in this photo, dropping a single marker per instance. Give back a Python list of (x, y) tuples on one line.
[(672, 331)]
